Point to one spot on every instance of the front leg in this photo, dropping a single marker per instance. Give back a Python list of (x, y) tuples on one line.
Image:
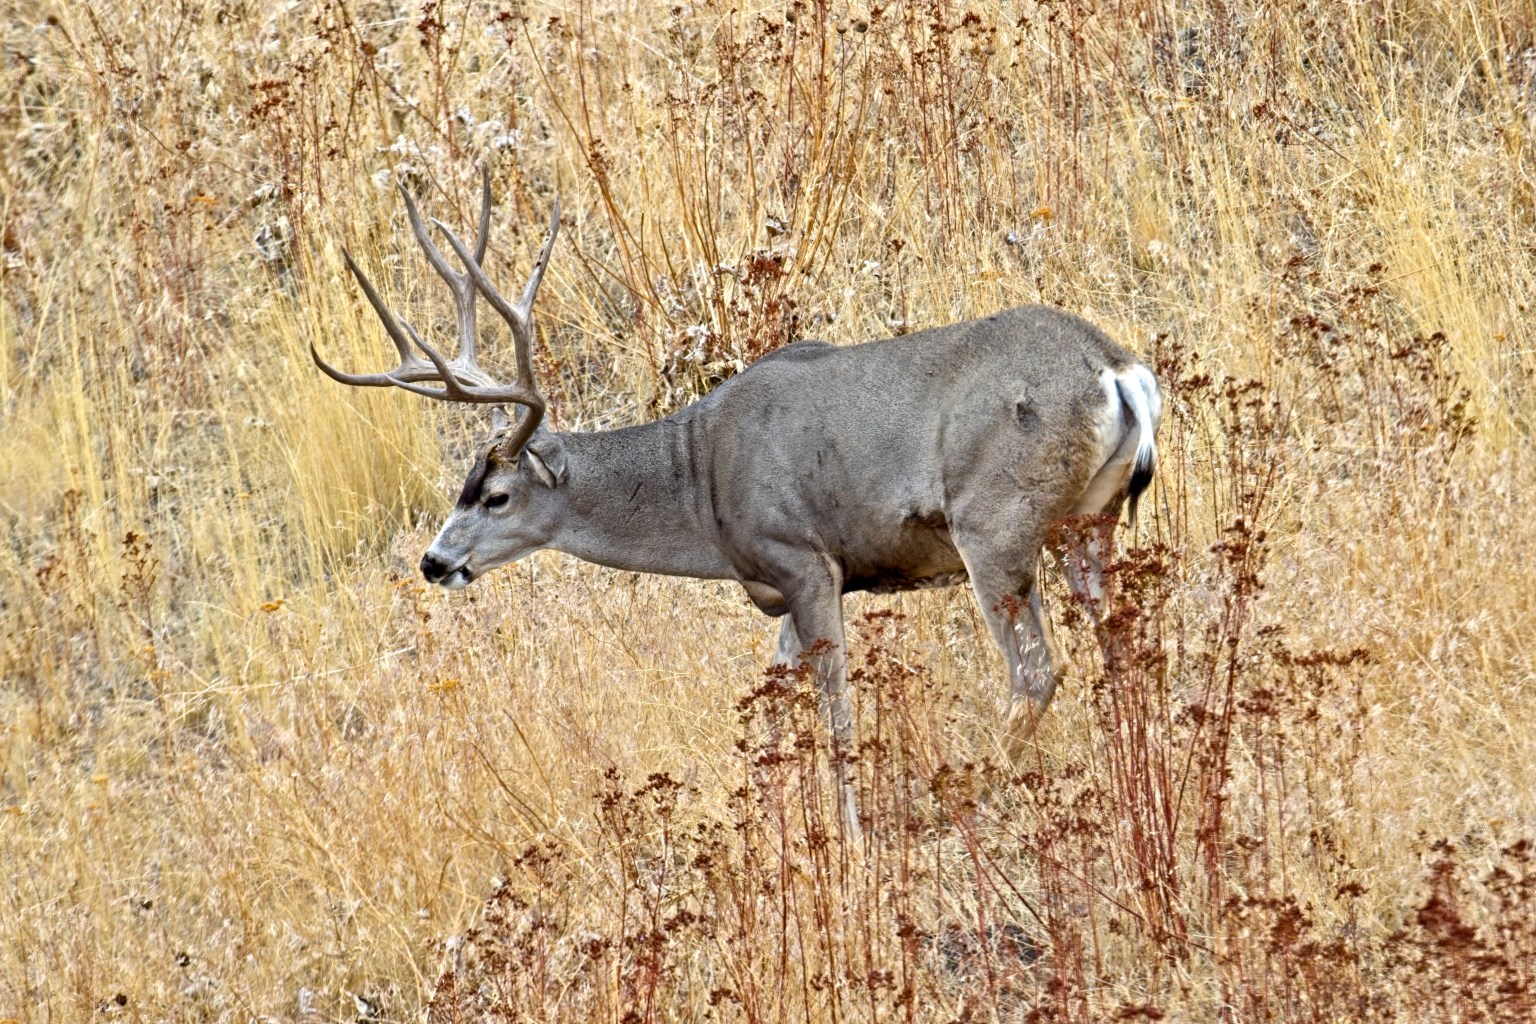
[(814, 634), (789, 650)]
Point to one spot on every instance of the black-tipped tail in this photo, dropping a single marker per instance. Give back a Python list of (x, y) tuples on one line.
[(1141, 479), (1138, 390)]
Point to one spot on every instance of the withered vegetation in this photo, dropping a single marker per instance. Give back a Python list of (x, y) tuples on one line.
[(252, 769)]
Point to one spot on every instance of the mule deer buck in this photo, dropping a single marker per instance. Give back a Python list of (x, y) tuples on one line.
[(917, 461)]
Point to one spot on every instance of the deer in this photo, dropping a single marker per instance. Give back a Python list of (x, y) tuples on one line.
[(928, 459)]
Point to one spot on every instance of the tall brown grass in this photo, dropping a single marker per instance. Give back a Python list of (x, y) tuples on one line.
[(251, 768)]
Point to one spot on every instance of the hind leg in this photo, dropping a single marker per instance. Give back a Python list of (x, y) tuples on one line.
[(1081, 548), (1008, 591)]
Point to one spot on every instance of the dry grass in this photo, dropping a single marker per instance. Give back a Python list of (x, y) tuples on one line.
[(250, 768)]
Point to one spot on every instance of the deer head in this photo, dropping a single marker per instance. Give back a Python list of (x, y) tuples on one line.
[(509, 505)]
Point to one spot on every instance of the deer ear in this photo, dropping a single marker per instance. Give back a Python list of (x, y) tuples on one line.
[(545, 451), (500, 421)]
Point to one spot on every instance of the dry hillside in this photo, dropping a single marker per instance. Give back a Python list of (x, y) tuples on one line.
[(252, 768)]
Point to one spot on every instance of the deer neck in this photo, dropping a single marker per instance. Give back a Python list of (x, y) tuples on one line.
[(635, 501)]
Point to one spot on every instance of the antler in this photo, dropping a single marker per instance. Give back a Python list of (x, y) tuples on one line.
[(462, 378)]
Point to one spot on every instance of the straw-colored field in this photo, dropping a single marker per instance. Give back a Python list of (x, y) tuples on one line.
[(252, 768)]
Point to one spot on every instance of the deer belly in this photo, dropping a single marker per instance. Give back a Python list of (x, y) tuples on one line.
[(919, 557), (895, 584)]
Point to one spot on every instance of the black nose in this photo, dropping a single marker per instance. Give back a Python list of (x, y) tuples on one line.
[(433, 568)]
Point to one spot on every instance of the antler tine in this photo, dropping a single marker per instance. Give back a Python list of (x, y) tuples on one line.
[(390, 326), (483, 231), (525, 391), (536, 277), (460, 284), (411, 368), (519, 317), (531, 289)]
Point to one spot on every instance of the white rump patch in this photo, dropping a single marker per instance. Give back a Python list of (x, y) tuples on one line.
[(1124, 448)]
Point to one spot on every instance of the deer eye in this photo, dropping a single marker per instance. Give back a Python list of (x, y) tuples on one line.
[(495, 501)]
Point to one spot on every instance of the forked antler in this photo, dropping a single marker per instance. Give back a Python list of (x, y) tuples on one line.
[(462, 378)]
